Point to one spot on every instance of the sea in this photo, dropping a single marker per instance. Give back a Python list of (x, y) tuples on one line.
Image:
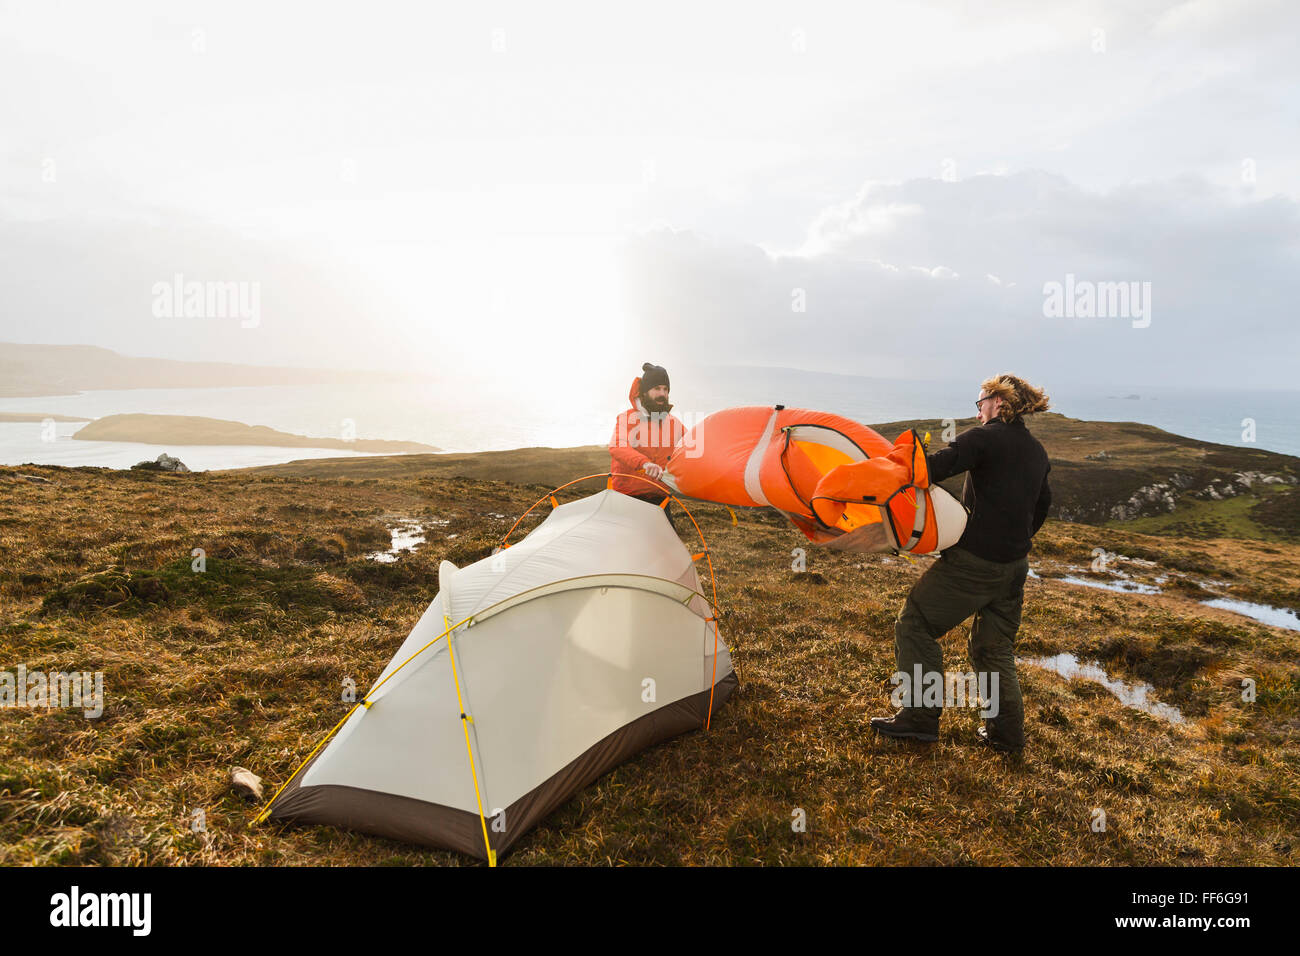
[(566, 412)]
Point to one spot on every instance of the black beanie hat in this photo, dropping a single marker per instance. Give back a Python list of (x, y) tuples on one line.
[(652, 375)]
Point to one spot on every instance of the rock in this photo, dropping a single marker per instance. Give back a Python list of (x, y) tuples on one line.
[(167, 463), (1100, 456), (1151, 499), (36, 479), (163, 462), (243, 779), (1240, 483)]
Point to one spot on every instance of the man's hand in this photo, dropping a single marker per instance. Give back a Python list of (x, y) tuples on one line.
[(653, 470)]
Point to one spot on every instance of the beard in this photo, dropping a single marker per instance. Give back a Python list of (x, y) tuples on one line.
[(653, 405)]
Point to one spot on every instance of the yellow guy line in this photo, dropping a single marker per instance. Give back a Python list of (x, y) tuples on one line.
[(464, 725), (265, 811)]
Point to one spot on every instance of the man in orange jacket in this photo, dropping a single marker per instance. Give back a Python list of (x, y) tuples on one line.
[(644, 437)]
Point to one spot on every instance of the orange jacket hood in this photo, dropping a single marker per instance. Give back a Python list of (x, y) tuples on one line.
[(634, 397)]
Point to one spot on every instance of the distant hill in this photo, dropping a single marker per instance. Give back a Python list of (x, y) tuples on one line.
[(39, 417), (27, 370), (195, 430)]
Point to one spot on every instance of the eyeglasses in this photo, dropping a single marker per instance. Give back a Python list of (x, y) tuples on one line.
[(981, 401)]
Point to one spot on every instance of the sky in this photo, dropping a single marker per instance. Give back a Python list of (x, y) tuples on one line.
[(551, 190)]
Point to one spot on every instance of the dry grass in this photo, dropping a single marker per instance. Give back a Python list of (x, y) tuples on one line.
[(244, 664)]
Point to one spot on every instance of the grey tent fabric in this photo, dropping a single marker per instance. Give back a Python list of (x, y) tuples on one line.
[(574, 649)]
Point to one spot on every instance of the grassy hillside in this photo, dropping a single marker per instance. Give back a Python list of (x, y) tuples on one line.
[(243, 665)]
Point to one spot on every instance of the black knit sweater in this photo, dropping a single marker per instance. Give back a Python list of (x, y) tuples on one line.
[(1006, 487)]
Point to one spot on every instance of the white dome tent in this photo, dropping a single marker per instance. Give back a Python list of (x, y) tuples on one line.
[(532, 673)]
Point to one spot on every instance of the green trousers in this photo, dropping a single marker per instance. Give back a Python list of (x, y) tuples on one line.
[(956, 586)]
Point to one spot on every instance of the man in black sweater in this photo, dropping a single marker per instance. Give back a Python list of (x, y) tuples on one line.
[(1007, 494)]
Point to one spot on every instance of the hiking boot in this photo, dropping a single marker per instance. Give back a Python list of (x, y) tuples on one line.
[(914, 723), (992, 740)]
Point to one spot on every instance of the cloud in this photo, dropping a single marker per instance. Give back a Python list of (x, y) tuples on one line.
[(91, 279), (954, 286)]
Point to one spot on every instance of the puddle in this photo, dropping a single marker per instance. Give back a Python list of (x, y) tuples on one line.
[(407, 536), (1264, 613), (1137, 695), (1122, 585)]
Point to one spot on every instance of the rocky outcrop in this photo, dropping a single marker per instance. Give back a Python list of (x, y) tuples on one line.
[(1162, 497), (1240, 483), (1158, 498), (163, 462)]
